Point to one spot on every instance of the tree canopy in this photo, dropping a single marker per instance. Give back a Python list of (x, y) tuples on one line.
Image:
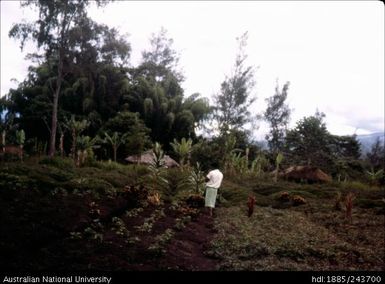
[(234, 99)]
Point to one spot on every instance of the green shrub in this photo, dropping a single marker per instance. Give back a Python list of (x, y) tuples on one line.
[(58, 162), (233, 193), (109, 165), (58, 174), (11, 181), (95, 186), (116, 179), (355, 185), (370, 203), (177, 180)]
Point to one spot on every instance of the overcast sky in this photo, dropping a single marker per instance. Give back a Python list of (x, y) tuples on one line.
[(331, 52)]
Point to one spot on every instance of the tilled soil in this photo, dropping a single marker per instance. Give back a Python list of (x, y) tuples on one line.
[(112, 240)]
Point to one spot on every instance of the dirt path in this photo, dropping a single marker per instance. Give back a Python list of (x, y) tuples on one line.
[(186, 250)]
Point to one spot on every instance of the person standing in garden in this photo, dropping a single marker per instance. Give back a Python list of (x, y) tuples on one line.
[(214, 181)]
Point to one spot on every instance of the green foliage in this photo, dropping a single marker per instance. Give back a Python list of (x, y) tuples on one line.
[(308, 142), (278, 161), (236, 164), (376, 155), (92, 78), (375, 176), (259, 164), (162, 56), (58, 162), (119, 227), (233, 101), (196, 180), (137, 133), (156, 94), (115, 141), (277, 115), (229, 150), (20, 137), (183, 149), (13, 182), (52, 32), (177, 182), (77, 127), (157, 170), (97, 187), (142, 101), (6, 123), (85, 146)]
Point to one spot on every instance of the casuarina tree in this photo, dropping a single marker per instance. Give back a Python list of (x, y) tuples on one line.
[(234, 99), (277, 115)]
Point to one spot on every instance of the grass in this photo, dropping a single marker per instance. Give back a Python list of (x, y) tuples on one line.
[(313, 236), (269, 240), (275, 239)]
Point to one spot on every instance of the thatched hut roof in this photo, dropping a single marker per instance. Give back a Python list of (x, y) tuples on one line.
[(311, 174), (147, 158)]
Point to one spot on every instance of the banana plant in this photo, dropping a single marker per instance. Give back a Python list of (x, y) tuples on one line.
[(6, 125), (342, 167), (258, 164), (77, 127), (84, 148), (374, 176), (20, 140), (278, 161), (115, 141)]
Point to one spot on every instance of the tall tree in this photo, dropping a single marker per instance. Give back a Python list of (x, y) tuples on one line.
[(277, 115), (234, 99), (51, 32), (161, 60), (156, 94), (308, 143), (376, 156), (6, 125)]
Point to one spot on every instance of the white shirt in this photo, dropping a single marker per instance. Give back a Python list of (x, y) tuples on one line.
[(215, 178)]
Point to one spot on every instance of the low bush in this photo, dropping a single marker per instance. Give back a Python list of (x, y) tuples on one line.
[(58, 162)]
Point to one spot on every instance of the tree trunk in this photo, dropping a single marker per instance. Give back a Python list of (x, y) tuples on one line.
[(62, 145), (78, 158), (52, 141), (3, 140), (115, 150), (84, 156), (73, 148)]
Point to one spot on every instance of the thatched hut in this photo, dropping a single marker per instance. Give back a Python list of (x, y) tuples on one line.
[(147, 157), (308, 173)]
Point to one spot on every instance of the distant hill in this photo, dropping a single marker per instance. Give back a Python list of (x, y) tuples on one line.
[(368, 140)]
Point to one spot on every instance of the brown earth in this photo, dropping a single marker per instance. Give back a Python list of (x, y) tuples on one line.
[(104, 236)]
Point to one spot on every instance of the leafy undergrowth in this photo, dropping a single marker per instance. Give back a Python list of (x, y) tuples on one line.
[(310, 235), (277, 239), (54, 216)]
